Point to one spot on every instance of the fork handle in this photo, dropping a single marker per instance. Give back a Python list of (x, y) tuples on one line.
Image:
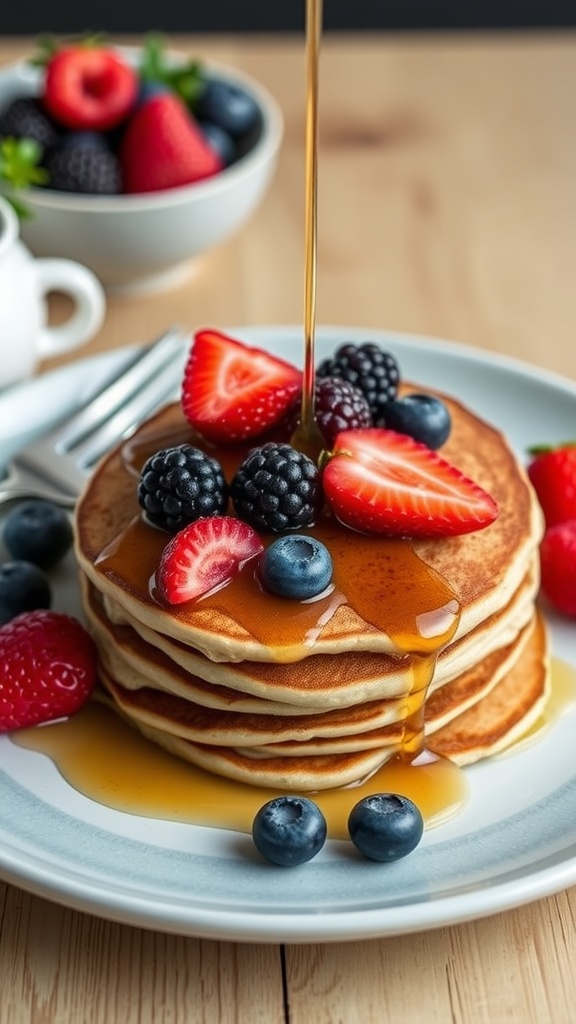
[(17, 485), (26, 494)]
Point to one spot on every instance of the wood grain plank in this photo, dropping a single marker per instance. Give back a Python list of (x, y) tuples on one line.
[(58, 965), (513, 967)]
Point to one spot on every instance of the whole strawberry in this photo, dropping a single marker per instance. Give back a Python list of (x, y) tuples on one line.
[(89, 87), (558, 566), (553, 475), (163, 147), (47, 668)]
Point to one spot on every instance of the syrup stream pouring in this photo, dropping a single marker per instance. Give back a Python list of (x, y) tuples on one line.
[(307, 437)]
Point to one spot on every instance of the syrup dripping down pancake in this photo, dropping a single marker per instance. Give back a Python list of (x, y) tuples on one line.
[(374, 724), (138, 657), (498, 719)]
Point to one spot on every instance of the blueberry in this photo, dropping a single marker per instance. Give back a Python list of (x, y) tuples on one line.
[(228, 106), (23, 588), (385, 826), (289, 830), (423, 417), (38, 531), (296, 566), (148, 89), (219, 140)]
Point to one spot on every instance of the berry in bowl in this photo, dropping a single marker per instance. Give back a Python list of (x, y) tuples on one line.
[(131, 160)]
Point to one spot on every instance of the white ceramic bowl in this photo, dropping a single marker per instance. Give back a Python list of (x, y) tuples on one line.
[(146, 242)]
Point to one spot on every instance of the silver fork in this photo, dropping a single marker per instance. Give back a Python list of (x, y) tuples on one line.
[(57, 464)]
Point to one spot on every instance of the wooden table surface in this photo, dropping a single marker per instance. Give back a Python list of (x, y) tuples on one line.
[(448, 208)]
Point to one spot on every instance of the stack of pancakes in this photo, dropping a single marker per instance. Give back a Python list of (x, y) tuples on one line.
[(326, 708)]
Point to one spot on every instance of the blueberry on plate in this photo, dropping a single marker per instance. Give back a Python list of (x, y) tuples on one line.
[(423, 417), (296, 566), (229, 106), (385, 826), (39, 532), (23, 588), (289, 830)]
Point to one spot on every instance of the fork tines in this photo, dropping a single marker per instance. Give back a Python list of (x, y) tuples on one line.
[(67, 453)]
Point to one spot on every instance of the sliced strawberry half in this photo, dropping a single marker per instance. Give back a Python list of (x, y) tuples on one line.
[(204, 556), (232, 391), (379, 481)]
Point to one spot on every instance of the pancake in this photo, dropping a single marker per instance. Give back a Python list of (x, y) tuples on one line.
[(119, 553), (368, 725), (297, 774), (509, 710), (506, 714), (325, 681), (365, 725)]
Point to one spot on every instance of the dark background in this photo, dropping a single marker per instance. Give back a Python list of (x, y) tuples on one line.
[(30, 17)]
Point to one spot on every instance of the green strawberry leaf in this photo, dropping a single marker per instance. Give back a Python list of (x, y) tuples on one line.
[(19, 169), (186, 80), (48, 45), (19, 163), (545, 449)]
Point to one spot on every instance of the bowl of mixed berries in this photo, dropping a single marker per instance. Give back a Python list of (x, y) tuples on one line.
[(133, 160)]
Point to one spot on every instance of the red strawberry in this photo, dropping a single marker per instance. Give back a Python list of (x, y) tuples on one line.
[(204, 556), (558, 566), (47, 668), (89, 88), (231, 391), (164, 148), (553, 476), (378, 481)]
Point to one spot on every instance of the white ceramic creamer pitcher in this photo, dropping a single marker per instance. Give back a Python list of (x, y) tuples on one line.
[(25, 281)]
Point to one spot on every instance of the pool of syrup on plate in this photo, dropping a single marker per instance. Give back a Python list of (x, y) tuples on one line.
[(109, 761)]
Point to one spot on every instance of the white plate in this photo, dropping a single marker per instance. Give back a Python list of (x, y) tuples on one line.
[(515, 841)]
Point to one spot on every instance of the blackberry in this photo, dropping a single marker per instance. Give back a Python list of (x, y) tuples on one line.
[(179, 485), (276, 488), (84, 163), (338, 406), (25, 119), (367, 367)]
